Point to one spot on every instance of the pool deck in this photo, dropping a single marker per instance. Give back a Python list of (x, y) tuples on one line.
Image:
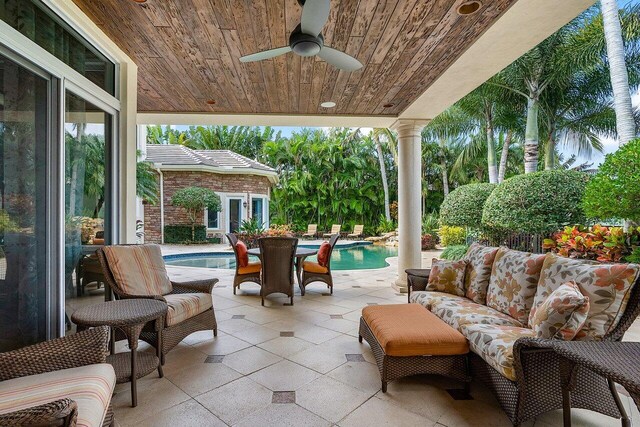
[(225, 247)]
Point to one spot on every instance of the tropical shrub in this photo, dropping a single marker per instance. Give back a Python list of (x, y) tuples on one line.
[(283, 230), (614, 192), (429, 242), (539, 202), (607, 244), (454, 252), (385, 226), (195, 200), (251, 226), (463, 206), (185, 234), (430, 223), (452, 235)]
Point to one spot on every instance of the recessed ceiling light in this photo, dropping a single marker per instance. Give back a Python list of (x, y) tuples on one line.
[(139, 1), (328, 104), (389, 105), (211, 102), (469, 8)]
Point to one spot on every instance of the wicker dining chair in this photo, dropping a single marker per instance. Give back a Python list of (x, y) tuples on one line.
[(314, 272), (190, 303), (249, 273), (335, 229), (278, 255)]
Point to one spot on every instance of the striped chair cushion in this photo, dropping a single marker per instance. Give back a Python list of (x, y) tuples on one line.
[(185, 306), (89, 386), (138, 270)]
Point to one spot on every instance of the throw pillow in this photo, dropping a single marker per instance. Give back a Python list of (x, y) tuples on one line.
[(138, 269), (513, 282), (243, 255), (323, 254), (447, 276), (562, 314), (608, 287), (479, 263)]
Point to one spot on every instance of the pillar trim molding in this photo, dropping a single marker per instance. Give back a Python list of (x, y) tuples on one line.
[(409, 124)]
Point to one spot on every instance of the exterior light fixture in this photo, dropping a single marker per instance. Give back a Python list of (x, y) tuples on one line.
[(211, 102), (328, 104), (388, 105), (469, 8)]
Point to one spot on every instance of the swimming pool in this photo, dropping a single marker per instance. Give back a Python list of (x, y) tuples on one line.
[(356, 256)]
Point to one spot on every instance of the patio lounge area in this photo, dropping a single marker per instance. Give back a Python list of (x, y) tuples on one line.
[(303, 365)]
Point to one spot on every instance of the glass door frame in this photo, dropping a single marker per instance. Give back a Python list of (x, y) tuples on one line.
[(241, 210), (66, 78)]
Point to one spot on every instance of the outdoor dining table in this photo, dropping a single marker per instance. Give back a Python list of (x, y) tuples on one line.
[(301, 255)]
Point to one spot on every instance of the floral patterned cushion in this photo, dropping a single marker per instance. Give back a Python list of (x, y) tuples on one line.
[(494, 343), (460, 312), (608, 287), (447, 276), (562, 314), (428, 298), (476, 280), (513, 282)]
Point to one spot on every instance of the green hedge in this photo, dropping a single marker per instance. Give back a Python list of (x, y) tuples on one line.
[(539, 202), (182, 234), (463, 206)]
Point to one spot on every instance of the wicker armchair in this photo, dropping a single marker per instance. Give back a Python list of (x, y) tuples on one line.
[(84, 348), (314, 272), (251, 273), (172, 334), (278, 255), (538, 387)]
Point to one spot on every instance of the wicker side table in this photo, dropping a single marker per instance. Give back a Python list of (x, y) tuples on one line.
[(129, 316), (613, 360)]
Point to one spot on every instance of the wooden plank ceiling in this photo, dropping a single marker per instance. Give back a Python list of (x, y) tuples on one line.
[(187, 52)]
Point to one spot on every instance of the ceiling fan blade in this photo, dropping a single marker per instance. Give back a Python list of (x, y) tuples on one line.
[(315, 14), (266, 54), (339, 59)]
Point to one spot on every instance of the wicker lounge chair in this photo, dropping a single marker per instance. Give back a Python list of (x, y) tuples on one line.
[(278, 254), (314, 272), (51, 375), (537, 388), (250, 273), (190, 303), (312, 231), (358, 231), (335, 229)]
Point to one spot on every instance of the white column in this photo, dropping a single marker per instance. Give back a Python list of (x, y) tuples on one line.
[(128, 151), (409, 198)]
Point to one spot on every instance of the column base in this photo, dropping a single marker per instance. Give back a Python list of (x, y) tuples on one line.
[(400, 286)]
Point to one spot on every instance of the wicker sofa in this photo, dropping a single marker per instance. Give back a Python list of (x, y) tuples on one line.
[(521, 369), (62, 382)]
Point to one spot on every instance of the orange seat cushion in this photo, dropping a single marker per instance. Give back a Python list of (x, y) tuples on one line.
[(314, 267), (252, 267), (412, 330), (323, 254), (243, 255)]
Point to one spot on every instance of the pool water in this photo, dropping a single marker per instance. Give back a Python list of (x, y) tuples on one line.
[(356, 257)]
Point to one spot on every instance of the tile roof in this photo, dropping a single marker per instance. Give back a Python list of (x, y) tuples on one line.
[(178, 155)]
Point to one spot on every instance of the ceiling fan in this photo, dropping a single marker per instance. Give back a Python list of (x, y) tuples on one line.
[(307, 40)]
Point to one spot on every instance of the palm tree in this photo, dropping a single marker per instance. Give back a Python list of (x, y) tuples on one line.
[(383, 173), (625, 122)]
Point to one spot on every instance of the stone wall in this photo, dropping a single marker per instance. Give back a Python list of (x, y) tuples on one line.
[(175, 180)]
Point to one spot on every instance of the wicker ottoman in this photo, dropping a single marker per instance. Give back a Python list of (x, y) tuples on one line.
[(407, 339)]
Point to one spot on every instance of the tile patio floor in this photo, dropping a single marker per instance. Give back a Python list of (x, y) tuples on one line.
[(302, 366)]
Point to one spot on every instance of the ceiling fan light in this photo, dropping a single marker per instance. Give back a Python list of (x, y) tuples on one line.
[(306, 48)]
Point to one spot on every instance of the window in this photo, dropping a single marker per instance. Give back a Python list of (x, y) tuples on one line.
[(40, 25), (213, 219), (258, 211)]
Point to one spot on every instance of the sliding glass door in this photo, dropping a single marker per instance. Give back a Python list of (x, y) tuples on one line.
[(87, 142), (25, 301)]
